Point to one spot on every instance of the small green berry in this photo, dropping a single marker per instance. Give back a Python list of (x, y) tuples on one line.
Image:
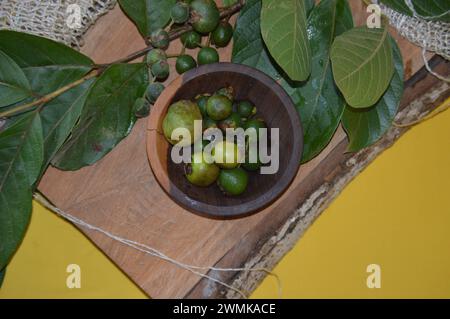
[(234, 121), (205, 15), (161, 70), (219, 107), (246, 109), (209, 123), (156, 55), (141, 108), (180, 12), (233, 181), (185, 63), (201, 102), (222, 35), (191, 39), (207, 55), (154, 90), (160, 39)]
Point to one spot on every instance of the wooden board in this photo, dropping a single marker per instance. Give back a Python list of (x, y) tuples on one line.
[(120, 194)]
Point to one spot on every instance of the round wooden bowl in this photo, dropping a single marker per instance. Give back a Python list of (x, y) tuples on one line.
[(273, 105)]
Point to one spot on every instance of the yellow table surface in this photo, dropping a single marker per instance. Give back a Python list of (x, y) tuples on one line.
[(395, 214)]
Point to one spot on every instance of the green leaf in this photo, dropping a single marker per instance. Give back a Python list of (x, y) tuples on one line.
[(2, 276), (438, 10), (366, 126), (148, 15), (60, 115), (14, 86), (321, 113), (249, 49), (362, 65), (283, 28), (29, 50), (107, 116), (47, 79), (309, 5), (21, 157), (229, 3)]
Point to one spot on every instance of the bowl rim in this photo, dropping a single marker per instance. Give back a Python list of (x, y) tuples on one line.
[(160, 169)]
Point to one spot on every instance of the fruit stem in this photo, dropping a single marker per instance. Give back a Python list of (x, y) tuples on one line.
[(208, 43)]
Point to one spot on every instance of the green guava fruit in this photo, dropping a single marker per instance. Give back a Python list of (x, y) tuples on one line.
[(226, 155), (219, 107), (181, 114), (201, 173), (233, 182)]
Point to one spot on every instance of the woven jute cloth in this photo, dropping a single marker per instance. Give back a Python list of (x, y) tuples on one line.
[(434, 36), (62, 20)]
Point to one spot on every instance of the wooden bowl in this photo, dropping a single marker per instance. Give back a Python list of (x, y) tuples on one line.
[(274, 106)]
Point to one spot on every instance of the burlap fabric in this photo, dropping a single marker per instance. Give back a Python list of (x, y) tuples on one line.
[(62, 20)]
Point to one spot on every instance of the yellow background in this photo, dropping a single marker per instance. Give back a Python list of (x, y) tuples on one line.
[(395, 214)]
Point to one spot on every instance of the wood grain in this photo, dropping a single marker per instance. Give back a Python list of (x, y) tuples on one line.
[(120, 193)]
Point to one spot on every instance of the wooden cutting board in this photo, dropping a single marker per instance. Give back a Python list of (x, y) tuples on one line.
[(120, 194)]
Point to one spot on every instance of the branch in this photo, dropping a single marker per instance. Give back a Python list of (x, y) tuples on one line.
[(101, 67), (47, 98), (176, 34)]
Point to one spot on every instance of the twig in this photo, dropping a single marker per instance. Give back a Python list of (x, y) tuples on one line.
[(28, 106), (432, 114)]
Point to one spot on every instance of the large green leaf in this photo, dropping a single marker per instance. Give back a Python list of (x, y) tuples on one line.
[(21, 154), (60, 115), (283, 28), (148, 15), (14, 86), (107, 116), (321, 113), (362, 65), (29, 50), (366, 126), (428, 9)]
